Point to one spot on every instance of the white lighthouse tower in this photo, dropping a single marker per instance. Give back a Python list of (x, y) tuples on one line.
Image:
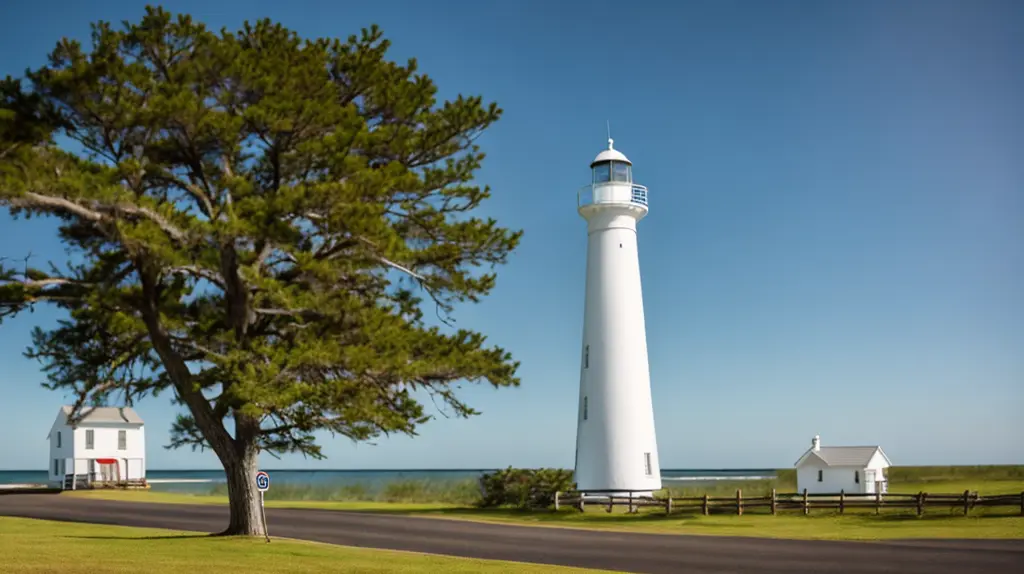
[(616, 448)]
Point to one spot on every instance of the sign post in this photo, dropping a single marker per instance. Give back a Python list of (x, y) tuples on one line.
[(263, 485)]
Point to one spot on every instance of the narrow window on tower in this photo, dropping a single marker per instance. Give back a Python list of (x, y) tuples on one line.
[(648, 468), (584, 408), (821, 474), (586, 357)]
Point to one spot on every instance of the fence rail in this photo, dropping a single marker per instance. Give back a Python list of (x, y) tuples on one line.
[(803, 501)]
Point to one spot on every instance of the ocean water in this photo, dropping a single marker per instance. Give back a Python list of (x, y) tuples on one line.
[(201, 481)]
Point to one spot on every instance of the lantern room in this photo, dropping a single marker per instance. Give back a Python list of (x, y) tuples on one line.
[(611, 166)]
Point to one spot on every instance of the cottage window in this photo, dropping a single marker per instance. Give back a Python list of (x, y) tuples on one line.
[(122, 440), (58, 439), (821, 474), (856, 476), (90, 439), (56, 466)]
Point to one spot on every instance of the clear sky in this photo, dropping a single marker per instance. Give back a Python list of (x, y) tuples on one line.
[(835, 243)]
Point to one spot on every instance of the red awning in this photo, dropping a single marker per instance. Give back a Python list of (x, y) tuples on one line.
[(106, 460)]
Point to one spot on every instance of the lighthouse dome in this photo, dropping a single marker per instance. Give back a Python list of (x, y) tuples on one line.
[(610, 154)]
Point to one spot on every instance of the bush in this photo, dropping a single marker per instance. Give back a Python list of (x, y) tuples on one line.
[(523, 487)]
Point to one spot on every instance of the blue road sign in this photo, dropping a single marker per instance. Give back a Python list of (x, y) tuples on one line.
[(262, 481)]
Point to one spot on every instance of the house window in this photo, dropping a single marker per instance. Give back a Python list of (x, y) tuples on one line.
[(584, 408), (856, 476), (58, 439), (122, 440), (648, 468), (56, 466), (89, 439), (586, 357), (821, 474)]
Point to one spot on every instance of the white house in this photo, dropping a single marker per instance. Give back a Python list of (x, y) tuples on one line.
[(107, 445), (852, 469)]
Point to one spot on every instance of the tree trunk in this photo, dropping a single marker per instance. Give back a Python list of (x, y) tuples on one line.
[(243, 496)]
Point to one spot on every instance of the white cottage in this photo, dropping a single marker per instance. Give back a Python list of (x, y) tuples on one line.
[(852, 469), (108, 445)]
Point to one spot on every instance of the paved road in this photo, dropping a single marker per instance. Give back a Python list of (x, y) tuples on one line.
[(627, 552)]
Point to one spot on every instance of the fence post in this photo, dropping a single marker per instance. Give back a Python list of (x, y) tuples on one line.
[(611, 502), (581, 502), (967, 501), (1022, 503), (739, 502), (806, 509), (920, 503), (631, 509), (773, 502), (705, 504), (842, 500), (878, 501), (668, 505), (556, 500)]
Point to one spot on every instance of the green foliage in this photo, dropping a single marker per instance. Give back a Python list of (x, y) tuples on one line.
[(523, 487), (257, 223)]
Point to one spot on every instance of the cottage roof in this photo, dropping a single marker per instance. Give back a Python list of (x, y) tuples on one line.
[(844, 455), (105, 415)]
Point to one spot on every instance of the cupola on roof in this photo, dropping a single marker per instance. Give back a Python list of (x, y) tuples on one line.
[(610, 154)]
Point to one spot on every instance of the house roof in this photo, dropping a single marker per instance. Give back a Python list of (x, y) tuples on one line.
[(844, 455), (105, 415)]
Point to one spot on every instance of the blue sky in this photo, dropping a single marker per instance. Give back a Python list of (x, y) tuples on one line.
[(835, 243)]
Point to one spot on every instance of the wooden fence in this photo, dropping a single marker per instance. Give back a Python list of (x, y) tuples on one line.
[(804, 502)]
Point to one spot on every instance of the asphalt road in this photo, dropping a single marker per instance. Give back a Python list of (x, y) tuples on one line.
[(629, 552)]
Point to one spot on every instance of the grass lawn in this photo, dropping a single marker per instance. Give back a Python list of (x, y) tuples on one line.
[(958, 486), (821, 524), (44, 546)]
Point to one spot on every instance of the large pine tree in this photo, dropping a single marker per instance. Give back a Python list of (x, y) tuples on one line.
[(257, 222)]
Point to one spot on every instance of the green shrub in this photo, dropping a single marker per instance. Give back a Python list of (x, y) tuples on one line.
[(524, 488)]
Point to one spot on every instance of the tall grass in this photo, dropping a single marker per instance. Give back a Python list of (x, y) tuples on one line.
[(784, 481), (721, 488), (464, 491), (980, 473), (467, 491)]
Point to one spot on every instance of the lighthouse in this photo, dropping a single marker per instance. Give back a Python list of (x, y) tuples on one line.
[(616, 448)]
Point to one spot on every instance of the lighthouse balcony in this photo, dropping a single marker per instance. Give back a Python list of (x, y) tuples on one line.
[(612, 193)]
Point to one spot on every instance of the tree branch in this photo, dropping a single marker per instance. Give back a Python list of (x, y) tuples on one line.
[(97, 212), (199, 273)]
